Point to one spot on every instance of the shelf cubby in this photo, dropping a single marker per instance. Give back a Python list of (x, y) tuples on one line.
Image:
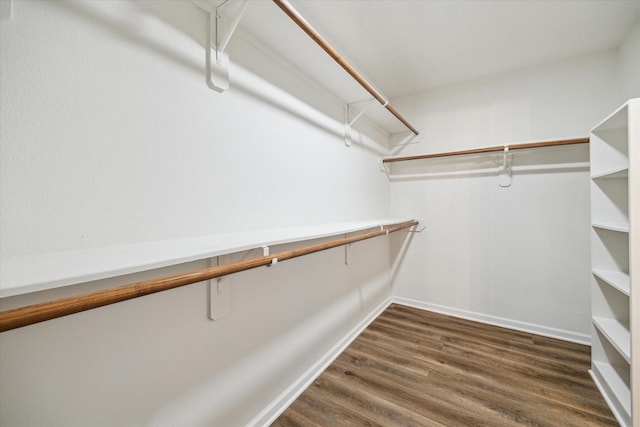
[(610, 202), (609, 248)]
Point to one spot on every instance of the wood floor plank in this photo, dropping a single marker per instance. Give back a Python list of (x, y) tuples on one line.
[(486, 389), (483, 384), (458, 330), (458, 362), (416, 368), (430, 397)]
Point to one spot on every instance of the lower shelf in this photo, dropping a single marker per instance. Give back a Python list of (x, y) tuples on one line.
[(617, 279), (614, 388), (617, 333), (621, 227)]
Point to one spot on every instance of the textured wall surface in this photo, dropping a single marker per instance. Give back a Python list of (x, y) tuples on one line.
[(110, 136)]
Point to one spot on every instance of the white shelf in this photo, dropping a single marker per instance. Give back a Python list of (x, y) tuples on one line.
[(621, 227), (609, 147), (617, 120), (614, 173), (616, 279), (21, 275), (614, 389), (617, 334)]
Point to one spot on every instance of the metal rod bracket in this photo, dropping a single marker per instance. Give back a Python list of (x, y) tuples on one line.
[(347, 251), (418, 229), (403, 138), (504, 170), (383, 166), (218, 37), (219, 291)]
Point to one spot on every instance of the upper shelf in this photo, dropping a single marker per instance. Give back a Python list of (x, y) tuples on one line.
[(295, 16), (614, 173), (618, 120), (20, 275), (313, 55)]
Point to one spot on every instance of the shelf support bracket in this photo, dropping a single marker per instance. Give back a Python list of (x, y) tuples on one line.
[(401, 139), (353, 112), (383, 166), (218, 37), (265, 252), (504, 170), (418, 228), (219, 295), (347, 251)]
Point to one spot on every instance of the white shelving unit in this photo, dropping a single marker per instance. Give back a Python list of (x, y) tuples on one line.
[(615, 207)]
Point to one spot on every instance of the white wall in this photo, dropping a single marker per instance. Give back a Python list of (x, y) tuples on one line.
[(518, 255), (108, 101), (109, 136), (629, 53)]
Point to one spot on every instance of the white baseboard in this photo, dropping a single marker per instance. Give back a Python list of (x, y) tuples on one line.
[(269, 414), (497, 321)]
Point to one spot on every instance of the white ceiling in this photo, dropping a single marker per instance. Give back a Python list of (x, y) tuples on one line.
[(408, 46)]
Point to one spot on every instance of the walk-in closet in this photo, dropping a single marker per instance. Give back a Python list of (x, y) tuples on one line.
[(319, 213)]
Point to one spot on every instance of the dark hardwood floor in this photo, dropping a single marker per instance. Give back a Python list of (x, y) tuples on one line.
[(416, 368)]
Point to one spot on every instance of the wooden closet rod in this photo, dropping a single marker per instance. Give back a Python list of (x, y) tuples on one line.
[(490, 149), (306, 27), (24, 316)]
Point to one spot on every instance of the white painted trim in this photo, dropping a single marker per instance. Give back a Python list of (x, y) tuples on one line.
[(517, 325), (277, 406)]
